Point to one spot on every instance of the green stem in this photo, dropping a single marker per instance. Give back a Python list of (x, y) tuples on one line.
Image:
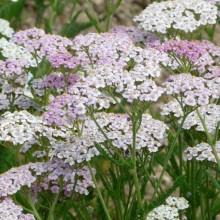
[(99, 193), (52, 208), (202, 206), (169, 155), (111, 8), (134, 170), (35, 212), (106, 137), (128, 198), (209, 138), (124, 109), (181, 160), (193, 190), (207, 200), (53, 15), (109, 14)]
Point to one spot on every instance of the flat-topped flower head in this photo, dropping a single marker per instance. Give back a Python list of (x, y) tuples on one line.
[(5, 28), (191, 50), (24, 129), (210, 113), (111, 49), (191, 90), (25, 37), (72, 106), (201, 152), (58, 81), (14, 179), (91, 89), (172, 107), (11, 68), (63, 60), (50, 174), (36, 41), (169, 17), (102, 48), (10, 211), (13, 51), (118, 129), (138, 36), (169, 211), (200, 57)]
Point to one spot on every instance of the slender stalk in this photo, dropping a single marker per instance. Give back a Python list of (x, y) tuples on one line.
[(134, 170), (99, 193), (106, 137), (181, 163), (109, 14), (124, 109), (111, 8), (35, 212), (207, 200), (119, 197), (128, 198), (202, 204), (209, 138), (53, 15), (193, 189), (169, 155), (52, 208)]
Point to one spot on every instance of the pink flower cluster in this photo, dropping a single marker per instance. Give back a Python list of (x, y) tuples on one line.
[(190, 90), (118, 131), (10, 211), (36, 41), (51, 174), (191, 50), (200, 56)]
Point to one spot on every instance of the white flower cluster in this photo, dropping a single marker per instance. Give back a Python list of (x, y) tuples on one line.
[(90, 89), (20, 101), (118, 129), (14, 179), (102, 48), (192, 90), (172, 107), (116, 49), (5, 28), (36, 41), (4, 102), (75, 180), (208, 63), (170, 211), (210, 113), (11, 50), (25, 129), (50, 174), (214, 86), (202, 151), (10, 211), (187, 16), (138, 36), (133, 84)]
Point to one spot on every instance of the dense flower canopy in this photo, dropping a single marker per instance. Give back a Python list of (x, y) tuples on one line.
[(105, 111)]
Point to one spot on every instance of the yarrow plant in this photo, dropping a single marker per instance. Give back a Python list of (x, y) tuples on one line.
[(97, 124)]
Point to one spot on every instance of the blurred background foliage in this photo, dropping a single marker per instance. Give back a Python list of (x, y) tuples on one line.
[(70, 17)]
